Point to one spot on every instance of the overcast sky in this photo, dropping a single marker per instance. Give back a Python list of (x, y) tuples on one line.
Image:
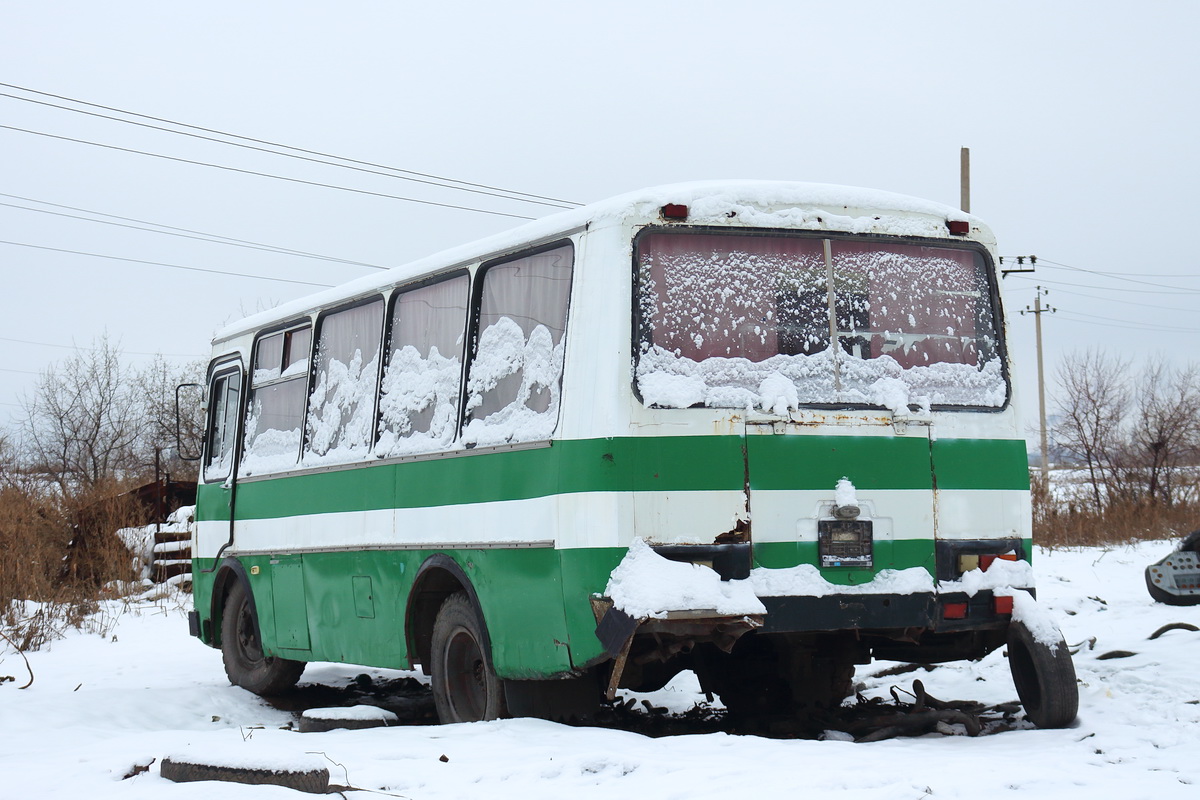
[(1081, 119)]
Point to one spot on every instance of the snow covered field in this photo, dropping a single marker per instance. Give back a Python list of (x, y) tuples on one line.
[(103, 705)]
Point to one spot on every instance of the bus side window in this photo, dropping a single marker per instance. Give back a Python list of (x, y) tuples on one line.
[(418, 405), (341, 409), (515, 375), (275, 409), (222, 427)]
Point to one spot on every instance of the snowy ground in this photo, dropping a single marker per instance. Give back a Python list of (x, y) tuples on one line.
[(102, 705)]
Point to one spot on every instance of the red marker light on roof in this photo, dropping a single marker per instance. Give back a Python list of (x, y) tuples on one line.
[(959, 227), (674, 211)]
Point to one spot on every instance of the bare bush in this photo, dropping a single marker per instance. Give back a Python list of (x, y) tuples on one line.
[(1091, 408), (1131, 450)]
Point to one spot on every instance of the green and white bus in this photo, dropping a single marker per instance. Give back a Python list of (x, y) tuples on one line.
[(763, 431)]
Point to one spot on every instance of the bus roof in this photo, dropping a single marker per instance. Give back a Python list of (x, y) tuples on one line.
[(727, 203)]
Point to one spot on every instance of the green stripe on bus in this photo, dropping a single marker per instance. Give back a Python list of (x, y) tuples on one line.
[(632, 464), (981, 464)]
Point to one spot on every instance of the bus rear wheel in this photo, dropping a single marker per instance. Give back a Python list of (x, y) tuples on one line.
[(241, 650), (465, 685), (1044, 676)]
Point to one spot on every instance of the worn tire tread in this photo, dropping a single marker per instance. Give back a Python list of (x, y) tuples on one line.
[(311, 781)]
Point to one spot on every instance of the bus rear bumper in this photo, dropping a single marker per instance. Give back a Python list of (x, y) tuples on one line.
[(948, 612)]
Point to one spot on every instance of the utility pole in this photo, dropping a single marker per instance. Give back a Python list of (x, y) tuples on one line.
[(1037, 311), (964, 179)]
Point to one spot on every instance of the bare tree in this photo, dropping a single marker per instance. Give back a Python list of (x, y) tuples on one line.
[(84, 422), (1092, 404), (1165, 432), (156, 385)]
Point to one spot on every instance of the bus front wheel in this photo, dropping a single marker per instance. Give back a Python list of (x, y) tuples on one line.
[(241, 650), (465, 686)]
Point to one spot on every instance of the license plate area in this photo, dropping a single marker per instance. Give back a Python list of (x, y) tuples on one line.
[(845, 543)]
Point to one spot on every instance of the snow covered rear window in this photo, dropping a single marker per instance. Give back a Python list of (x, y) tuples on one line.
[(418, 405), (737, 321), (515, 377)]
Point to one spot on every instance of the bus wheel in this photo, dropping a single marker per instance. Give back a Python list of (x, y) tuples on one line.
[(1044, 677), (465, 686), (241, 650)]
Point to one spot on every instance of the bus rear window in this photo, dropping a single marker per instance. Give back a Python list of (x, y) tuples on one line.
[(779, 322)]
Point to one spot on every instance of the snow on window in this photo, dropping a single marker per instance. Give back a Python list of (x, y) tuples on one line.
[(729, 320), (514, 386), (276, 407), (222, 433), (419, 402), (341, 409)]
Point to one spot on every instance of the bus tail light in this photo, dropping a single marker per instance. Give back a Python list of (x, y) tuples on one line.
[(968, 562), (954, 611), (986, 560), (1002, 605)]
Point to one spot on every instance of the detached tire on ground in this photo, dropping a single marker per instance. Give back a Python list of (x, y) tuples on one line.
[(241, 650), (1045, 678), (465, 686), (314, 781)]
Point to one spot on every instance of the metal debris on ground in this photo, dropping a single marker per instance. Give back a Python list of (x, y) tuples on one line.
[(905, 713)]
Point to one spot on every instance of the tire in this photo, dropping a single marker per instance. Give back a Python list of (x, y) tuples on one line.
[(1191, 542), (241, 650), (311, 781), (1044, 677), (465, 686)]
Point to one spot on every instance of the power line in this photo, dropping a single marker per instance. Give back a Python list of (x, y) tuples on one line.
[(1121, 277), (1125, 302), (1105, 323), (78, 347), (1174, 290), (264, 174), (162, 264), (277, 153), (201, 235), (426, 178)]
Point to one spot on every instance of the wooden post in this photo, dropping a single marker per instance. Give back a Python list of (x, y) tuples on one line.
[(965, 180)]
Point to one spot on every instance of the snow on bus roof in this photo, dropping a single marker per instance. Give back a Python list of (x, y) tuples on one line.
[(733, 203)]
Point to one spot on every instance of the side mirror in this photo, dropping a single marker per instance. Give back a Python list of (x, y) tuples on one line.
[(186, 453)]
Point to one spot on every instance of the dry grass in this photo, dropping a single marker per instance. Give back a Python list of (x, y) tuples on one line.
[(56, 554), (1067, 516)]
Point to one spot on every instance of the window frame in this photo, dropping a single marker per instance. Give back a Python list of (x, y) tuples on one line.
[(317, 324), (475, 311), (467, 349), (638, 328), (218, 370), (284, 328)]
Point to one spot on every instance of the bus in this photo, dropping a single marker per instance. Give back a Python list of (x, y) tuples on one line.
[(763, 431)]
